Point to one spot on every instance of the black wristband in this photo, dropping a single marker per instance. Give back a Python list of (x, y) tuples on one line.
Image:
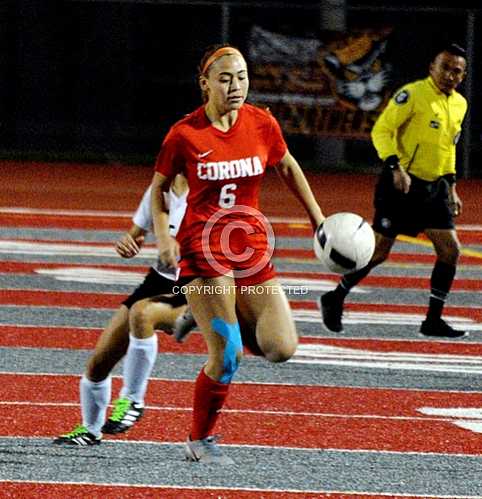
[(392, 163)]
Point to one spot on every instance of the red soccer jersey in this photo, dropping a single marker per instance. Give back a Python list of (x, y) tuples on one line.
[(223, 169)]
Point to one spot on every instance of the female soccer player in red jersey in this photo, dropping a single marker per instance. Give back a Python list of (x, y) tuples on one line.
[(223, 149)]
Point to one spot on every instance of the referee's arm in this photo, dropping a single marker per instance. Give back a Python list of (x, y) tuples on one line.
[(384, 132)]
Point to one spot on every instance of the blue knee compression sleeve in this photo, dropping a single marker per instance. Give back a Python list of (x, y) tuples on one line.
[(234, 345)]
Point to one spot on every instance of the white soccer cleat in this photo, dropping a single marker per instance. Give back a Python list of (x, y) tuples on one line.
[(206, 451)]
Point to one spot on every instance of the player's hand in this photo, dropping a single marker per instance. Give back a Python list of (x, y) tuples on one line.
[(317, 221), (168, 253), (401, 180), (128, 246)]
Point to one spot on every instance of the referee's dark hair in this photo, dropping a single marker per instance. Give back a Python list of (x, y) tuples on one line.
[(452, 48)]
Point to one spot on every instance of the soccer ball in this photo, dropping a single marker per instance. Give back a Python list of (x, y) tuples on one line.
[(344, 243)]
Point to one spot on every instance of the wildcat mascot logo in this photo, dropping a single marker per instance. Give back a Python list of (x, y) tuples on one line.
[(335, 87), (358, 74)]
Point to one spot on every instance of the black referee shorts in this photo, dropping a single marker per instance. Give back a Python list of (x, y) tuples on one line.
[(155, 284), (426, 206)]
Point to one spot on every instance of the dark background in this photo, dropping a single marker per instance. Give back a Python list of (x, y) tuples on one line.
[(102, 81)]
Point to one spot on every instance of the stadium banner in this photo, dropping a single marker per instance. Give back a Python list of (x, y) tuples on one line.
[(331, 88)]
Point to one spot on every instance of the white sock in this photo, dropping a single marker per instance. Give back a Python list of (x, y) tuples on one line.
[(94, 399), (138, 364)]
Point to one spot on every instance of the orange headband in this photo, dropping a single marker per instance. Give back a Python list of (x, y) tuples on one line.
[(219, 53)]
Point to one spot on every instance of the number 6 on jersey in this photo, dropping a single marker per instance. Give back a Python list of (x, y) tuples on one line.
[(227, 198)]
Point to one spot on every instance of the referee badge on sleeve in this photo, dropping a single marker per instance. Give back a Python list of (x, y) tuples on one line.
[(402, 97)]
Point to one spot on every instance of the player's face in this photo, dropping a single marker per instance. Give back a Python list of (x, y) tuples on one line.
[(447, 71), (227, 83)]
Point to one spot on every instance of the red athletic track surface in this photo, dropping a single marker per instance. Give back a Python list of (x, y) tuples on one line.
[(118, 187), (82, 338), (304, 254), (348, 418), (79, 491), (352, 418)]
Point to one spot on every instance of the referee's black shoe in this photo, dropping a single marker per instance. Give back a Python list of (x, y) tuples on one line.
[(331, 312), (439, 328)]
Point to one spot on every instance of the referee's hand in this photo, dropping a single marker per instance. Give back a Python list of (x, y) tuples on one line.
[(401, 180), (455, 203)]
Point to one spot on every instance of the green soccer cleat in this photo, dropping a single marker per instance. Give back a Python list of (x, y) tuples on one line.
[(79, 436), (124, 415)]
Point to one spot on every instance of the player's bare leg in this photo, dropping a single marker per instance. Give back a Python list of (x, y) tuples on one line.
[(265, 310), (153, 314), (111, 346)]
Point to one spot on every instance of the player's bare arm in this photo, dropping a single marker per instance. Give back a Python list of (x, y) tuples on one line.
[(292, 174), (167, 246)]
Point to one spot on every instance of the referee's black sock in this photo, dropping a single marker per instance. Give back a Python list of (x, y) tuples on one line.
[(440, 283), (348, 281)]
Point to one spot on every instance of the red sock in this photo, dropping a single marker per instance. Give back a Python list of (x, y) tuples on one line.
[(209, 397)]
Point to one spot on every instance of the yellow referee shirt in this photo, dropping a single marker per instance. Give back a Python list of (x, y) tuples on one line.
[(421, 125)]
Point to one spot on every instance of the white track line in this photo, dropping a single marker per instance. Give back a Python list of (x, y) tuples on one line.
[(250, 411), (262, 383), (66, 213)]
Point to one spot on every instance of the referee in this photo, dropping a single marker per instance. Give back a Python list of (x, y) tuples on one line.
[(416, 137)]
